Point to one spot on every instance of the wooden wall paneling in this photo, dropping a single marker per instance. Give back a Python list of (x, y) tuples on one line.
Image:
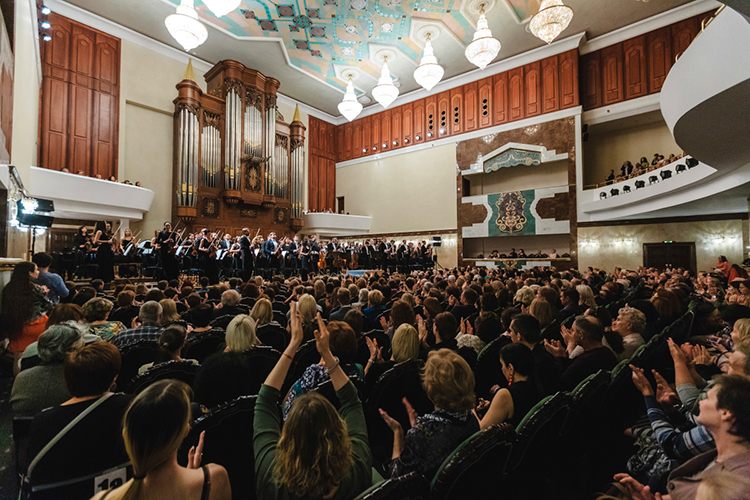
[(312, 135), (385, 130), (357, 140), (79, 133), (471, 107), (550, 84), (500, 110), (659, 57), (407, 124), (322, 183), (375, 134), (591, 80), (104, 136), (456, 114), (348, 138), (57, 51), (313, 181), (634, 54), (82, 53), (683, 34), (330, 142), (612, 74), (340, 143), (420, 122), (431, 118), (106, 62), (396, 122), (445, 114), (532, 88), (484, 95), (367, 133), (515, 94), (54, 126), (568, 76), (331, 185)]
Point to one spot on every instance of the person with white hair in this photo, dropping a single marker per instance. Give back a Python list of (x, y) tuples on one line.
[(629, 325), (230, 304)]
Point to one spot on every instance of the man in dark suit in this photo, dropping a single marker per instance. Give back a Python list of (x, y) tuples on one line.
[(525, 329), (569, 299), (344, 299), (230, 304), (465, 307), (269, 250)]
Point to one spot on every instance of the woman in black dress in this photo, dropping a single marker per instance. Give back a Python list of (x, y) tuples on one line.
[(105, 257)]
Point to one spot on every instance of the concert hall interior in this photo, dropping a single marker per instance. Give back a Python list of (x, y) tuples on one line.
[(402, 249)]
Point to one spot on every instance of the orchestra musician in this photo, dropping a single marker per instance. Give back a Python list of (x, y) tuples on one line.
[(105, 257), (247, 253), (207, 256), (165, 241), (333, 246), (270, 251)]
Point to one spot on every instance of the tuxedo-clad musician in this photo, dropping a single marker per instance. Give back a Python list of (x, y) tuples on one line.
[(332, 246), (166, 242), (314, 253), (382, 249), (247, 253), (294, 254), (271, 250)]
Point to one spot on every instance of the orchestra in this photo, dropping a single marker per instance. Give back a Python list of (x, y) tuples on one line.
[(219, 255)]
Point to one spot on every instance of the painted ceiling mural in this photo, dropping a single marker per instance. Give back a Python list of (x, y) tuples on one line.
[(319, 34)]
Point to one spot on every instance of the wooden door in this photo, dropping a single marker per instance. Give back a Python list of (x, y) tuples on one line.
[(674, 255)]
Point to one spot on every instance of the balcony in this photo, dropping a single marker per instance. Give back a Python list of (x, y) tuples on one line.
[(329, 224)]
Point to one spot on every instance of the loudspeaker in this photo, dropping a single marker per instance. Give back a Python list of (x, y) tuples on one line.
[(35, 220)]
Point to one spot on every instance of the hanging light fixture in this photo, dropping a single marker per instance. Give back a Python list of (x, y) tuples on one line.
[(483, 48), (350, 107), (221, 7), (551, 20), (429, 72), (385, 92), (185, 27)]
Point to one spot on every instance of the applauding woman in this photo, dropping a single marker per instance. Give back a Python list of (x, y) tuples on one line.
[(319, 452)]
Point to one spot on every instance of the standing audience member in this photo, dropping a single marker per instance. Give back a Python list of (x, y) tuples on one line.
[(56, 288)]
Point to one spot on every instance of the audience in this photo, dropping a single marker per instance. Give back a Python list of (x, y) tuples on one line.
[(171, 342), (148, 321), (97, 312), (240, 336)]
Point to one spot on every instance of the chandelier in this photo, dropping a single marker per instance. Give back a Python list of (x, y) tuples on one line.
[(429, 72), (385, 92), (185, 27), (221, 7), (483, 48), (350, 107), (551, 20)]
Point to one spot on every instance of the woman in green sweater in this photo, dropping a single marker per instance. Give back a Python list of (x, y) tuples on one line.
[(319, 453)]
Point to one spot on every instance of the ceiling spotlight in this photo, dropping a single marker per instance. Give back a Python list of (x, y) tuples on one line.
[(350, 107), (46, 11), (185, 27), (551, 20), (483, 48), (429, 72), (46, 25), (221, 7), (385, 92)]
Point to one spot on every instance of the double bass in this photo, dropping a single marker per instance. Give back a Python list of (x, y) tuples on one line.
[(322, 259)]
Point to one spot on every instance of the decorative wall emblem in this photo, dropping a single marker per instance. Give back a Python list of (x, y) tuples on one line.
[(211, 119), (248, 213), (510, 207), (252, 177), (210, 208), (280, 215), (511, 158)]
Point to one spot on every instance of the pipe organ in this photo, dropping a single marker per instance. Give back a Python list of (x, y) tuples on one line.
[(236, 162)]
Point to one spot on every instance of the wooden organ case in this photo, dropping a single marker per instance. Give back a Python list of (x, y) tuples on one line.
[(236, 163)]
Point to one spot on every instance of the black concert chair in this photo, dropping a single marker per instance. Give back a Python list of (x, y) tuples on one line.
[(614, 192), (222, 321), (626, 189), (476, 467), (21, 432), (180, 370), (383, 341), (280, 306), (602, 196), (273, 335), (280, 318), (79, 488), (401, 381), (680, 168), (652, 179), (552, 331), (248, 302), (665, 174), (228, 442), (412, 486), (201, 345), (134, 355), (488, 370), (261, 361), (691, 162), (640, 184)]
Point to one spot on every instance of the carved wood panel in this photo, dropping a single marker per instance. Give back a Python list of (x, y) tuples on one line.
[(396, 118), (515, 94), (568, 76), (444, 113), (407, 125), (322, 184), (592, 80), (348, 138), (357, 138), (500, 98), (532, 89), (431, 118), (659, 56), (375, 127), (612, 80), (420, 122), (634, 53), (484, 95), (331, 185), (385, 130), (366, 133), (470, 109), (682, 35), (550, 85), (456, 111), (313, 181)]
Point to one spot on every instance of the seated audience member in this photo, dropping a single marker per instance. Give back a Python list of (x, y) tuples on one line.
[(319, 452), (201, 320), (24, 310), (444, 329), (374, 305), (222, 377), (154, 426), (344, 297), (487, 327), (308, 310), (627, 333), (610, 179), (263, 313), (401, 314), (56, 288), (511, 404), (570, 301), (240, 335), (356, 321), (83, 295), (404, 347), (726, 415), (466, 305), (230, 304), (97, 312), (449, 383), (61, 313), (587, 333), (343, 345), (94, 444), (586, 296), (171, 342), (542, 311), (524, 329), (169, 312), (126, 309), (149, 320), (43, 385)]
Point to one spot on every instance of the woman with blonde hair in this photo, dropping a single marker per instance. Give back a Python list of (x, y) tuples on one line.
[(586, 296), (449, 383), (240, 336), (319, 452), (404, 347), (169, 311), (155, 423), (542, 311), (308, 310), (262, 312), (741, 330)]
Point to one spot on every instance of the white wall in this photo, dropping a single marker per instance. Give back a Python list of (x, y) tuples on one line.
[(521, 177), (404, 193)]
